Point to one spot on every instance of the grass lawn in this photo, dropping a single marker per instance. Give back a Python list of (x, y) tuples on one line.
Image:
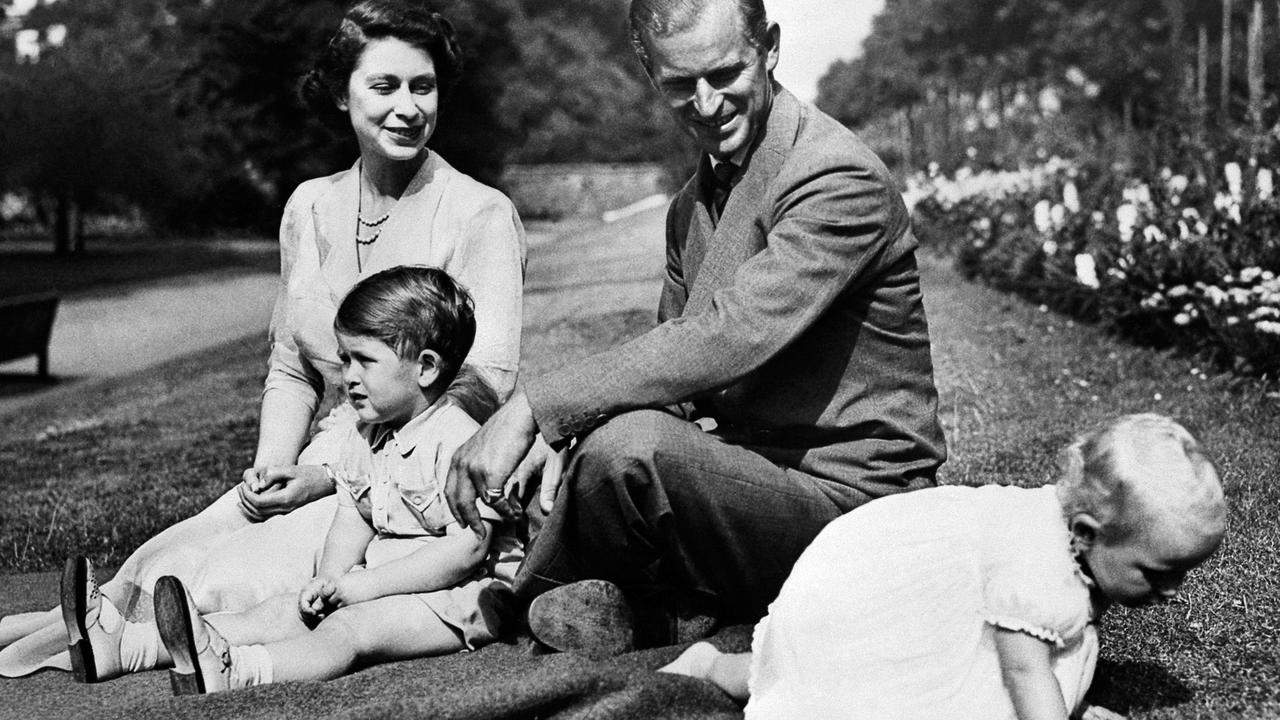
[(30, 265), (109, 465)]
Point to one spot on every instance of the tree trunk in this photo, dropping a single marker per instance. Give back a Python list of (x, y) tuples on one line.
[(1224, 92), (1255, 66), (62, 222), (79, 227)]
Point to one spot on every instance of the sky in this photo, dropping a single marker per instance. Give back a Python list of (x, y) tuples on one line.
[(816, 33)]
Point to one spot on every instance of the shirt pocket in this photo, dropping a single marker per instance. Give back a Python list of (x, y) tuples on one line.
[(427, 507)]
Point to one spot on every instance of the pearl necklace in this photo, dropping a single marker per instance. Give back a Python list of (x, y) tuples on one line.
[(361, 222)]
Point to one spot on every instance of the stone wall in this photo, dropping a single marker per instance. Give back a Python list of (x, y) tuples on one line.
[(581, 189)]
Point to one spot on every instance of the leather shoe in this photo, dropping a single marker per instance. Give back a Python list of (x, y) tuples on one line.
[(94, 625), (201, 656), (589, 617)]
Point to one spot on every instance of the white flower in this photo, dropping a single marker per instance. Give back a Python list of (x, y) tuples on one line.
[(1184, 232), (1232, 320), (1153, 234), (1266, 186), (1178, 184), (1234, 180), (1058, 215), (1191, 214), (1116, 273), (1126, 218), (934, 169), (971, 152), (1268, 327), (1098, 217), (1182, 319), (1050, 247), (1041, 217), (1215, 295), (1071, 197), (1178, 291), (1250, 274), (1087, 271), (1264, 312)]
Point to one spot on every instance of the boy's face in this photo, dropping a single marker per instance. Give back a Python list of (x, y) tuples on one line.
[(382, 386), (1149, 564)]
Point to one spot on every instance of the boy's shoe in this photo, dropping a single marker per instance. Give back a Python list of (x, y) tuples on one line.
[(94, 625), (201, 656)]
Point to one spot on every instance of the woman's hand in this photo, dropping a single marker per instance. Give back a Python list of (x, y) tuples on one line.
[(278, 490)]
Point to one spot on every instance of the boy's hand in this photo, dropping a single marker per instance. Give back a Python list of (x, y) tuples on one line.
[(314, 601), (278, 490)]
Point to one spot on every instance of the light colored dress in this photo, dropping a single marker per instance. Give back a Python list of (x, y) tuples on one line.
[(396, 479), (891, 612), (444, 219)]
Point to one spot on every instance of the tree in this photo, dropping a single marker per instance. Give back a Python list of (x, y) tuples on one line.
[(91, 125)]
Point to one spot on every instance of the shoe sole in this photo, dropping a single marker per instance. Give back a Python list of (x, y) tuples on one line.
[(174, 620), (589, 617), (75, 578)]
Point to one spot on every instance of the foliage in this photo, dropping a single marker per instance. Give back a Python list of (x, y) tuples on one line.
[(92, 124), (189, 109), (1169, 261)]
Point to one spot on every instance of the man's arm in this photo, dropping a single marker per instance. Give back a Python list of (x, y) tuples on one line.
[(832, 231)]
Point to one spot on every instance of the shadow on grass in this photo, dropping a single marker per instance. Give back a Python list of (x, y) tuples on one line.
[(14, 384), (1136, 686)]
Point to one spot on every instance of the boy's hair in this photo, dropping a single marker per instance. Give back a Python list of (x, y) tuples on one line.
[(1147, 458), (412, 308)]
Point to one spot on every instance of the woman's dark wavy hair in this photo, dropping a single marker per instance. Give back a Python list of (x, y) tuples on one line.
[(413, 22)]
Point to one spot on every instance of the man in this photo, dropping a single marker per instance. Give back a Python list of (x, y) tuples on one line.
[(791, 325)]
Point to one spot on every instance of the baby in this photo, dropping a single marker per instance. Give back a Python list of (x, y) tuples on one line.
[(959, 602)]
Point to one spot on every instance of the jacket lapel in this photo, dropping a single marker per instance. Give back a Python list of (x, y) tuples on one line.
[(732, 242)]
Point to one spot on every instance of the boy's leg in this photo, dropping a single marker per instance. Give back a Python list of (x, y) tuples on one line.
[(276, 618), (396, 627)]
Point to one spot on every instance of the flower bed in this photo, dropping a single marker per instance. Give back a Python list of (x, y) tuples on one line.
[(1169, 262)]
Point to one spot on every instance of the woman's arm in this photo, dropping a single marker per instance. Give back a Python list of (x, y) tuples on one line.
[(1028, 675), (439, 564)]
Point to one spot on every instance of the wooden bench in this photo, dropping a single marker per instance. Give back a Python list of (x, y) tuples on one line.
[(26, 321)]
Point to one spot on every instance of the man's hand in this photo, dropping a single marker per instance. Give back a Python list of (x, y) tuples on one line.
[(488, 459), (544, 464), (277, 490)]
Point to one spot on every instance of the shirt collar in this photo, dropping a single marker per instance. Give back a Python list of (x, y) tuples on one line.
[(407, 436)]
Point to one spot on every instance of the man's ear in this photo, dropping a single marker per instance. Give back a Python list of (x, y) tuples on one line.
[(341, 102), (773, 40), (1085, 529), (429, 368)]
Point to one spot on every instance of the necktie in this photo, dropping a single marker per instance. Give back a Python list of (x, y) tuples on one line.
[(724, 175)]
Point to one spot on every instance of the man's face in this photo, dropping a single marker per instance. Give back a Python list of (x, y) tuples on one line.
[(715, 82)]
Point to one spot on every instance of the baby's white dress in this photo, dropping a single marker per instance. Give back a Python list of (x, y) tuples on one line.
[(891, 612)]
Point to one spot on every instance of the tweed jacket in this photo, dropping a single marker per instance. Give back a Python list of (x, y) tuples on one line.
[(796, 321)]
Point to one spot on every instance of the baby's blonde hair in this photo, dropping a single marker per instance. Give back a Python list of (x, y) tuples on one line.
[(1144, 462)]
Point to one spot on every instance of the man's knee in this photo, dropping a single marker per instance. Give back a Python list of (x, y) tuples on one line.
[(622, 450)]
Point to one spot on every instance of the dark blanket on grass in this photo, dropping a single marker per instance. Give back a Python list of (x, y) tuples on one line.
[(503, 680)]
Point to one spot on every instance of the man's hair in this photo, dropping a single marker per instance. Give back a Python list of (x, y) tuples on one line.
[(411, 21), (1147, 459), (661, 18), (412, 308)]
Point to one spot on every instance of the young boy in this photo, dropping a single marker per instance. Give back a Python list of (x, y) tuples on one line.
[(399, 578)]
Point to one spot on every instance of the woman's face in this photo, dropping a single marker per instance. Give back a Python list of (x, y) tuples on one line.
[(392, 100)]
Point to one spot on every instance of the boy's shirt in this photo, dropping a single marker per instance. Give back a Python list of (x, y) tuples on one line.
[(396, 477)]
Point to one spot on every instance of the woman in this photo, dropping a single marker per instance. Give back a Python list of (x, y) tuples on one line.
[(385, 69)]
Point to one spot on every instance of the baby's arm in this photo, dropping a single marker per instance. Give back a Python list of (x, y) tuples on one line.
[(1028, 675), (441, 563)]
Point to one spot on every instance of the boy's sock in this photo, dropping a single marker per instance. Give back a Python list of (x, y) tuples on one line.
[(251, 665)]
